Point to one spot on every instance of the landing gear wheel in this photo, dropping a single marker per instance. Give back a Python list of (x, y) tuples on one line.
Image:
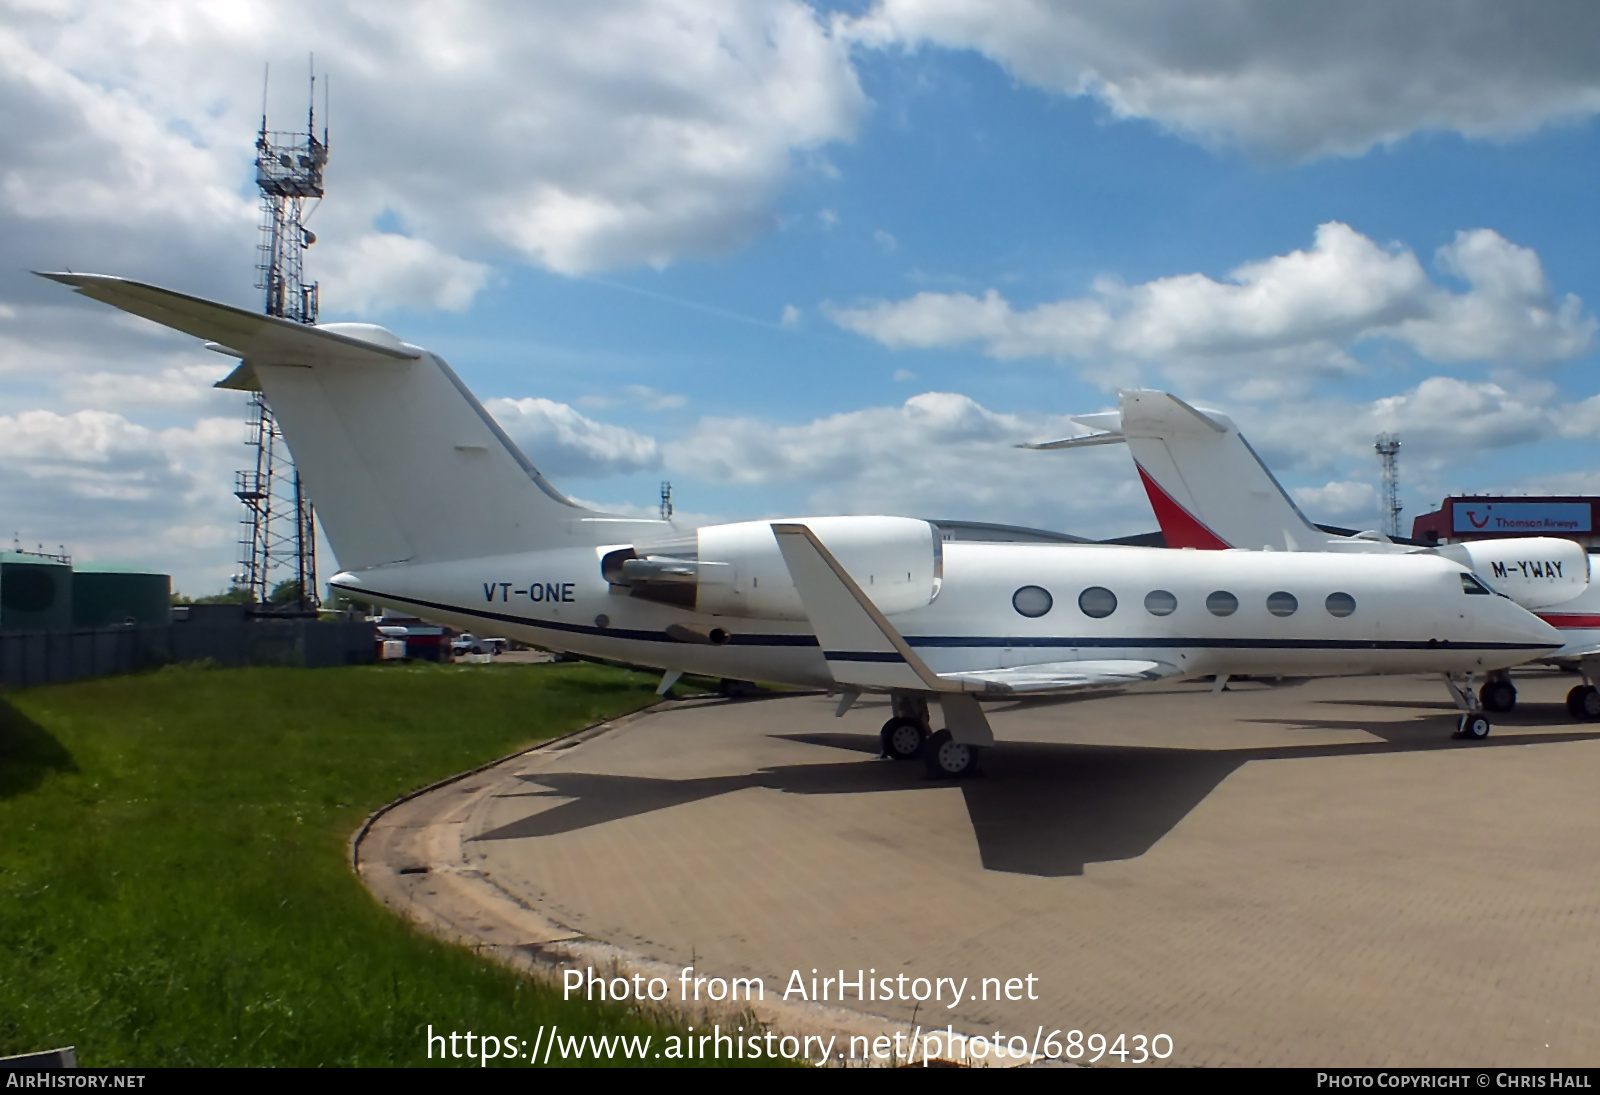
[(1583, 702), (949, 759), (1474, 726), (903, 738), (1498, 696)]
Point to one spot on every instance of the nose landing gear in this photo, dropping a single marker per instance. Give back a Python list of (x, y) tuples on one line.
[(1474, 724)]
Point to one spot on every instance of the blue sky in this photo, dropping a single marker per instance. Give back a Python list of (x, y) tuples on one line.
[(798, 261)]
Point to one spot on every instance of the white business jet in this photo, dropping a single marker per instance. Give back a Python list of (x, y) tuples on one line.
[(1210, 490), (431, 508)]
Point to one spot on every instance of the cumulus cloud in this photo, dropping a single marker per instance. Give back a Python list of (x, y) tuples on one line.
[(1296, 310), (465, 134), (577, 138), (939, 454), (114, 490), (377, 271), (1442, 422), (561, 441), (1332, 79), (1344, 500)]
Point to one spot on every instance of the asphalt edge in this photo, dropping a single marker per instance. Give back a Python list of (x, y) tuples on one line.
[(593, 729)]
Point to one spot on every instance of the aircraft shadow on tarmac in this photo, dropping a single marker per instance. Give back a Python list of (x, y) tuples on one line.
[(1041, 808)]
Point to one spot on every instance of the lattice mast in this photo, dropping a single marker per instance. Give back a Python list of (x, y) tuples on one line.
[(1388, 449), (279, 539)]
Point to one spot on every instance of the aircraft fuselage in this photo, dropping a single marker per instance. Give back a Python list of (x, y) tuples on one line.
[(1233, 612)]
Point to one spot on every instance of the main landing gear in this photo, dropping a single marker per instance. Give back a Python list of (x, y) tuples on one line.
[(904, 735), (1474, 724), (907, 736), (1498, 693), (947, 758), (1583, 702)]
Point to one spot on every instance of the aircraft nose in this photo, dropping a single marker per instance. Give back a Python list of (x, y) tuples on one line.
[(1523, 626)]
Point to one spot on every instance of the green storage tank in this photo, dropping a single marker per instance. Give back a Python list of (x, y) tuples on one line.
[(35, 593), (106, 596)]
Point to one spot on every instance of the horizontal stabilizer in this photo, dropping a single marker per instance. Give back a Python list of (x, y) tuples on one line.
[(1063, 678), (401, 460), (861, 646), (1083, 442), (257, 338)]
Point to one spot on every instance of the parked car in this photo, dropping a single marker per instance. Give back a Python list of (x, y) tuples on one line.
[(468, 643)]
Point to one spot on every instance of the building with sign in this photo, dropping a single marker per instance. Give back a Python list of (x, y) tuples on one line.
[(1481, 517)]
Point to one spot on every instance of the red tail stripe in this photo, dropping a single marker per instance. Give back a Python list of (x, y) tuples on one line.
[(1179, 525), (1565, 620)]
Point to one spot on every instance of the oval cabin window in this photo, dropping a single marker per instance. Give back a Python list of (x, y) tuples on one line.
[(1032, 601), (1158, 602), (1222, 603), (1282, 604), (1097, 602), (1340, 604)]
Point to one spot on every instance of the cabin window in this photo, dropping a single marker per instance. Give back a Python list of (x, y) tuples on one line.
[(1158, 602), (1281, 603), (1471, 585), (1222, 603), (1097, 602), (1032, 601), (1340, 604)]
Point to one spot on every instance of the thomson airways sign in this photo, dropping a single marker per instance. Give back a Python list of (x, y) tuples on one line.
[(1547, 517)]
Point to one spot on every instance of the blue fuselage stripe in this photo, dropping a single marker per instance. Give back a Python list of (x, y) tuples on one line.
[(966, 641)]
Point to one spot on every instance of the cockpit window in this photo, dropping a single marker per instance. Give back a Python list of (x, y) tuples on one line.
[(1472, 585)]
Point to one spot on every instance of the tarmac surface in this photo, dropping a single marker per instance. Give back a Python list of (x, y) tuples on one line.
[(1295, 874)]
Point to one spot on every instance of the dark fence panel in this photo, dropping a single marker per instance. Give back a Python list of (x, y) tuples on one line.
[(46, 657)]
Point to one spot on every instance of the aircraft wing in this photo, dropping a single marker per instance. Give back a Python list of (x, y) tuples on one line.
[(1576, 651), (863, 648), (1063, 678), (249, 335)]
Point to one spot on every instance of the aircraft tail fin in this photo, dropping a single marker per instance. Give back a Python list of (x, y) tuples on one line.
[(1207, 486), (401, 461)]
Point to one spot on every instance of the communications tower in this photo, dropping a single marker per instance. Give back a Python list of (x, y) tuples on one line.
[(1388, 449), (279, 538)]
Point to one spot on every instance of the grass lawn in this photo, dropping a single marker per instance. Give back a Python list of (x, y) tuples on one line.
[(174, 887)]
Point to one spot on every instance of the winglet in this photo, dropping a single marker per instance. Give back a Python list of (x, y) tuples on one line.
[(861, 645)]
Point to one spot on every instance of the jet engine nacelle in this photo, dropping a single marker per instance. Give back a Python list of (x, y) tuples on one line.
[(1536, 572), (737, 569)]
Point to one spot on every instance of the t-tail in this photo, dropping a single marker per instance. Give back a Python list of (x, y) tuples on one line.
[(1210, 490), (403, 464), (1207, 486)]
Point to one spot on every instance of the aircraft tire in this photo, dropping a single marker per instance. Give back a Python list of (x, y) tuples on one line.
[(903, 738), (1499, 696), (1583, 702), (947, 758), (1475, 726)]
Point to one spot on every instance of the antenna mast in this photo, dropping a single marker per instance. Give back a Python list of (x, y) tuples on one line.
[(280, 531), (1388, 449)]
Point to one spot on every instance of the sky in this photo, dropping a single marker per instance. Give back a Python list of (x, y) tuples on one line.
[(809, 258)]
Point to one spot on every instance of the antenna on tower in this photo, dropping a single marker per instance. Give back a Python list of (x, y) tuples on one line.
[(1387, 447), (666, 501), (280, 530)]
